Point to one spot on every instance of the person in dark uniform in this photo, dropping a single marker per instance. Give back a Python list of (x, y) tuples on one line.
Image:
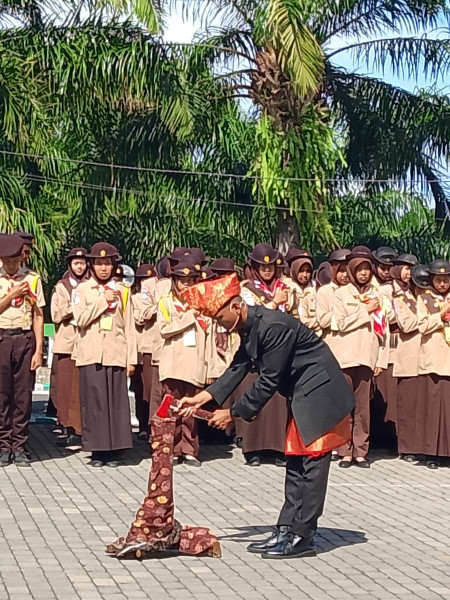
[(21, 343), (296, 362)]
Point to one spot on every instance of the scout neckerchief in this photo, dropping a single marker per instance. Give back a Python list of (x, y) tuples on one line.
[(378, 316), (434, 304), (182, 308), (123, 296), (264, 293), (71, 281), (30, 295)]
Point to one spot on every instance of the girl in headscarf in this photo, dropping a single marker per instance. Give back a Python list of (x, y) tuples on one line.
[(433, 307), (304, 291), (362, 327), (65, 380)]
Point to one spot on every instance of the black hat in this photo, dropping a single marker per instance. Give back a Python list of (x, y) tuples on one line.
[(323, 273), (223, 265), (185, 267), (360, 252), (439, 267), (264, 254), (145, 270), (198, 255), (162, 266), (406, 259), (420, 276), (208, 274), (340, 255), (28, 238), (294, 254), (76, 253), (11, 246), (104, 250), (177, 254), (385, 255)]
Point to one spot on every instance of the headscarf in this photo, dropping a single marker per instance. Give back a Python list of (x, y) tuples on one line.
[(323, 274), (251, 269), (110, 278), (334, 268), (70, 280), (296, 265), (396, 276), (353, 264)]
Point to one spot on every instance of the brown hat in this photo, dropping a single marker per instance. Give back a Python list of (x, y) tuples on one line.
[(360, 252), (185, 267), (340, 255), (28, 238), (385, 255), (145, 270), (264, 254), (76, 253), (223, 266), (323, 273), (11, 246), (294, 254), (440, 266), (208, 274), (162, 267), (104, 250), (177, 254)]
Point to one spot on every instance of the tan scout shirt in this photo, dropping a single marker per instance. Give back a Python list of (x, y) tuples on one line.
[(327, 321), (183, 355), (305, 307), (161, 288), (354, 323), (20, 315), (145, 308), (220, 360), (107, 338), (62, 315), (406, 357), (434, 354), (387, 293)]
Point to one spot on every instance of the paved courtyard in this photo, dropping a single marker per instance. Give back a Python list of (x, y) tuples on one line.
[(384, 533)]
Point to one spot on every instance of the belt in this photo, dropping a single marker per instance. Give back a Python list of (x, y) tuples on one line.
[(13, 331)]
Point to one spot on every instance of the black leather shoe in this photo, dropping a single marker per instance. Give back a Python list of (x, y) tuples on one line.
[(432, 464), (21, 459), (408, 458), (4, 459), (294, 546), (280, 462), (113, 463), (345, 464), (362, 464), (95, 462), (279, 535), (254, 461)]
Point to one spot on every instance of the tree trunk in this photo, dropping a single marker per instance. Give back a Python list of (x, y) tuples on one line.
[(288, 235)]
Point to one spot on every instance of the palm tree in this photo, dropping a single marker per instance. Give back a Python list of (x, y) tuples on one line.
[(317, 118)]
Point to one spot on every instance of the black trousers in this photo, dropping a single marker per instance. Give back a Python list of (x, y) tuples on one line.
[(305, 489)]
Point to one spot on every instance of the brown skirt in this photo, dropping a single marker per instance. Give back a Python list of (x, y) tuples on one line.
[(268, 430), (105, 408), (410, 392), (66, 396), (432, 433), (383, 408)]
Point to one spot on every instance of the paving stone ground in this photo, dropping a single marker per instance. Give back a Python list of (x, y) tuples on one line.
[(384, 534)]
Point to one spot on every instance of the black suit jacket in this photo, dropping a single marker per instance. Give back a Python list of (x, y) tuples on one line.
[(294, 361)]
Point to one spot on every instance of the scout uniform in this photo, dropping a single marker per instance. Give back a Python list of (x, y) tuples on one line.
[(410, 396), (268, 430), (434, 369), (21, 334), (366, 342), (303, 296), (106, 345), (382, 256), (65, 384), (182, 359)]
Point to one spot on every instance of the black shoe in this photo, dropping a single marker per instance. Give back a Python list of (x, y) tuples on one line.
[(142, 436), (112, 463), (239, 442), (280, 462), (345, 464), (253, 460), (5, 459), (334, 457), (294, 546), (408, 458), (21, 459), (74, 443), (177, 460), (279, 535), (191, 461), (432, 464), (362, 464), (95, 462)]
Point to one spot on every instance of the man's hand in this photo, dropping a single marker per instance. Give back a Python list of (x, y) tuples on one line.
[(221, 418), (187, 406), (36, 361), (18, 290)]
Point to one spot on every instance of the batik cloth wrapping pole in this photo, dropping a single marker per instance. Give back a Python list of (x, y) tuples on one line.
[(155, 529)]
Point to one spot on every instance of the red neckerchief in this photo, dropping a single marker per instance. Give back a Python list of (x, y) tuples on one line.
[(182, 308), (379, 320), (261, 289), (110, 285), (17, 302)]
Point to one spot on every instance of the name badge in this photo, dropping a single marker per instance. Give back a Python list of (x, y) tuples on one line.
[(189, 338), (352, 304), (106, 322)]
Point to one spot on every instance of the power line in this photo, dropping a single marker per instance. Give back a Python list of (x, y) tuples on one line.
[(218, 174)]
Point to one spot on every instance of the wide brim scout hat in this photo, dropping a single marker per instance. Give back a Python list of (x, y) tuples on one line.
[(208, 297), (198, 256), (264, 254), (145, 270), (28, 238), (104, 250), (362, 252), (385, 255), (439, 266), (406, 259), (295, 254), (11, 246), (177, 254), (185, 268), (222, 266), (340, 255), (207, 274), (76, 253), (420, 276)]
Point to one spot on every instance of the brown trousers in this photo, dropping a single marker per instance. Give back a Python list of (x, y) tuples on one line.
[(410, 398), (359, 379), (16, 387), (186, 430)]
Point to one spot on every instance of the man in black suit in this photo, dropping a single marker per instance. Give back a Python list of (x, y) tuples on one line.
[(294, 361)]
